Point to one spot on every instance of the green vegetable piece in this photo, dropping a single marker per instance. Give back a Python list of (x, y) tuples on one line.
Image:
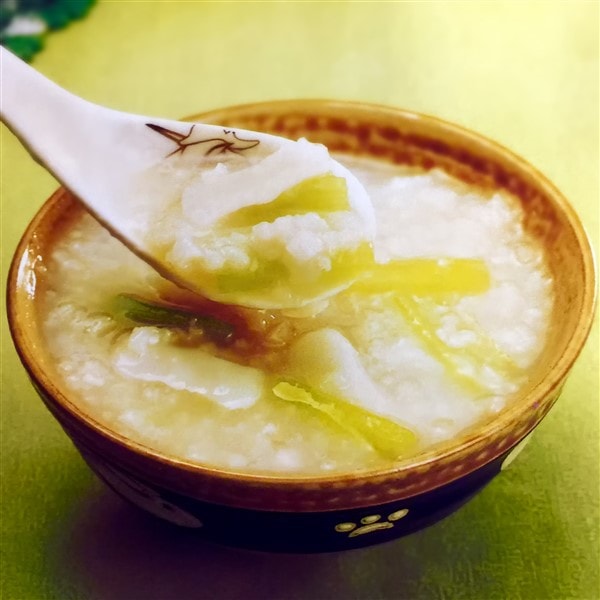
[(265, 275), (422, 276), (461, 364), (385, 436), (320, 194), (146, 312)]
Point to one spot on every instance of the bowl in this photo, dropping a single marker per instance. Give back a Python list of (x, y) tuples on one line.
[(342, 511)]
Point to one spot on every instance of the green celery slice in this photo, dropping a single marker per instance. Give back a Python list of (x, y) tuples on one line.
[(357, 269), (482, 348), (141, 311), (385, 436), (320, 194), (264, 274), (422, 276), (461, 364)]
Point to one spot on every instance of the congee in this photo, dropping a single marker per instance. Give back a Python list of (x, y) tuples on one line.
[(448, 309)]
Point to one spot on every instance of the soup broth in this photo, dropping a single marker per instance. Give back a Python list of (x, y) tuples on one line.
[(436, 334)]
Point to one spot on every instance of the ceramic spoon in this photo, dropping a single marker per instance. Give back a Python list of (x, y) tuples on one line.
[(239, 216)]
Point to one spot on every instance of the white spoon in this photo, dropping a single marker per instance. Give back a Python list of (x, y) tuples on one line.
[(180, 194)]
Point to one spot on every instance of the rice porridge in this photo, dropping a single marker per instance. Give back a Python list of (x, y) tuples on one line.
[(436, 332)]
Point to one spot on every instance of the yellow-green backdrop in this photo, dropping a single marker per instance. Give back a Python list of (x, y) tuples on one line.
[(523, 73)]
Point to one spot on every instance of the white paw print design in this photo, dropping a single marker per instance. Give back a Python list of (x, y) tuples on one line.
[(370, 523)]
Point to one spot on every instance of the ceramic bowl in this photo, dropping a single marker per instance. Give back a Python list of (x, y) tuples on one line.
[(336, 512)]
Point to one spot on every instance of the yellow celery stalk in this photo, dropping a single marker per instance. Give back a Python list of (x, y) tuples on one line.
[(420, 318), (483, 348), (384, 435), (320, 194), (265, 274), (423, 276)]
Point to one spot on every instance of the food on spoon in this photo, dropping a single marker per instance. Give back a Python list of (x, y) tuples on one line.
[(447, 310), (266, 228)]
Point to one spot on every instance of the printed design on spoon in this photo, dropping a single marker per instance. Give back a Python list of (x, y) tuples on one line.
[(230, 142), (371, 523)]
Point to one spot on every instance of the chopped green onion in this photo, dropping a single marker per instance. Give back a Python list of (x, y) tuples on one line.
[(147, 312), (385, 436)]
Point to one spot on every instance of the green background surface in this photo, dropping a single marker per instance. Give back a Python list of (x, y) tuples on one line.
[(523, 73)]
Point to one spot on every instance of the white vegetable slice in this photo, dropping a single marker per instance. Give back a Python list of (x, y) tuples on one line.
[(327, 360), (148, 355)]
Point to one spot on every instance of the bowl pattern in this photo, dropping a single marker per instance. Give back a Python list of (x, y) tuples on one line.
[(361, 508), (291, 531)]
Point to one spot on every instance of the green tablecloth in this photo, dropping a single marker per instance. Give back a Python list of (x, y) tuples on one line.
[(524, 73)]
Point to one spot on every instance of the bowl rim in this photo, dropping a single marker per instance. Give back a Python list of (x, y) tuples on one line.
[(441, 452)]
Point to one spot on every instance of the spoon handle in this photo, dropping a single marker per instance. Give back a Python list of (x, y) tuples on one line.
[(95, 151), (103, 156), (77, 141)]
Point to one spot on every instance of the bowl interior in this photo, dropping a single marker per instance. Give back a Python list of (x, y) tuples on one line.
[(397, 137), (404, 138)]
